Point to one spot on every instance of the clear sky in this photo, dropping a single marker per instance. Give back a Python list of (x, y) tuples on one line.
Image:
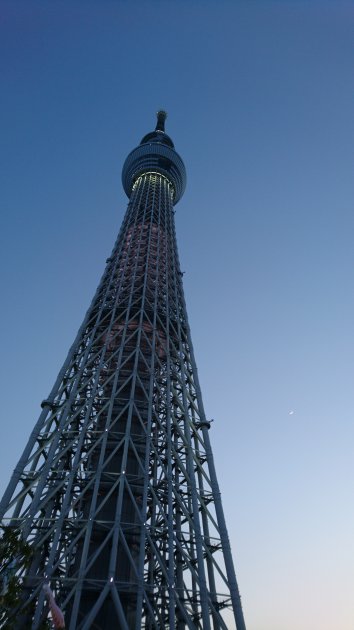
[(260, 99)]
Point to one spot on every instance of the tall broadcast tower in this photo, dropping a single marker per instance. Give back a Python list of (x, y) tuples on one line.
[(116, 491)]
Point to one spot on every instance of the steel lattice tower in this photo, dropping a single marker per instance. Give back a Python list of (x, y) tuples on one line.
[(116, 490)]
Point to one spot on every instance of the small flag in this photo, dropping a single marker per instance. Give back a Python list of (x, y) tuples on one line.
[(57, 615)]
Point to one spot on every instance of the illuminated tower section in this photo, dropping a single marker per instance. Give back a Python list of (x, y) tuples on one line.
[(116, 491)]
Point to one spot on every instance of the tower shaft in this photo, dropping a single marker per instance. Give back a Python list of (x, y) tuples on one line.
[(116, 491)]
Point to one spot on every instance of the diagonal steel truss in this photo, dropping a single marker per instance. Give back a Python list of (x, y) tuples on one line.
[(116, 491)]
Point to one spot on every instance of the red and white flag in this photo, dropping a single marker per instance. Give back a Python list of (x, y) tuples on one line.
[(57, 615)]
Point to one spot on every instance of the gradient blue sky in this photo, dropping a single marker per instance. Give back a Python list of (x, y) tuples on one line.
[(260, 99)]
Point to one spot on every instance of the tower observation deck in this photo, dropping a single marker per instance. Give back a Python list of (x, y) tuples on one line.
[(116, 491)]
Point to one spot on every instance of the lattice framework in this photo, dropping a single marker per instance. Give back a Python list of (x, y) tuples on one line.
[(116, 490)]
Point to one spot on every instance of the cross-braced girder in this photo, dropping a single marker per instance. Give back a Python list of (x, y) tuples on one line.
[(116, 491)]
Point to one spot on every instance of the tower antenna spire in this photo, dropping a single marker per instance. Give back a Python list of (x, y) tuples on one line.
[(161, 117)]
